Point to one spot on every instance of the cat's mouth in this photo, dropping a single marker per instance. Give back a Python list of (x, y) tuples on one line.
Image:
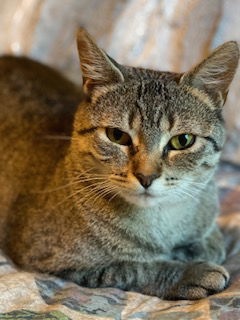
[(147, 195), (143, 199)]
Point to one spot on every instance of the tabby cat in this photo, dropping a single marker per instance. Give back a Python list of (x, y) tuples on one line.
[(113, 185)]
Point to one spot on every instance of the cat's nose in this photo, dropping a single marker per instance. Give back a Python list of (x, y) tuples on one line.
[(146, 181)]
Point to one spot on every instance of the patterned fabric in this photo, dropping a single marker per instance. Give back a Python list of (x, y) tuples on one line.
[(34, 296)]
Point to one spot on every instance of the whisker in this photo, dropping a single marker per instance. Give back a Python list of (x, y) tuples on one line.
[(58, 188), (63, 201), (87, 175), (102, 194), (195, 182), (114, 196), (90, 179), (98, 186), (188, 194), (192, 189), (92, 187), (121, 186)]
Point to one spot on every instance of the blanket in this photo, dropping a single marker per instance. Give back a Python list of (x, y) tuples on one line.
[(25, 295)]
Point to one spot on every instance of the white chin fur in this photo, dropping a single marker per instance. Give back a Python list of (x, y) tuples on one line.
[(141, 200)]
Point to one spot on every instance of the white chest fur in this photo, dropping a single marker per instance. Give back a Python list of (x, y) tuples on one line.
[(163, 227)]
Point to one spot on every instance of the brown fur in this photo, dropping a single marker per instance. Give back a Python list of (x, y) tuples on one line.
[(72, 203)]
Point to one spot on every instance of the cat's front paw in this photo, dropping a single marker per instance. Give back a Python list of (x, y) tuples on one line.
[(199, 280)]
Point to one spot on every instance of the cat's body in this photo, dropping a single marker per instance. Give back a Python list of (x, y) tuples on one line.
[(102, 213)]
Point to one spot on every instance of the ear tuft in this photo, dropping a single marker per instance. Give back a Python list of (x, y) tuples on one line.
[(97, 68), (215, 73)]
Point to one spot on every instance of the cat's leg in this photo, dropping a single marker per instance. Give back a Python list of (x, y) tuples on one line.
[(211, 248), (165, 279)]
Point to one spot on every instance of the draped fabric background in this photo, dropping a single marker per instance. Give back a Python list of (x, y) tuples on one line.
[(162, 34)]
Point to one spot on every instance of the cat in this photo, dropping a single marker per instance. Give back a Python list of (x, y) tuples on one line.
[(112, 185)]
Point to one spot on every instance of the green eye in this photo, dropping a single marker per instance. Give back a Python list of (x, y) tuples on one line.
[(117, 136), (183, 141)]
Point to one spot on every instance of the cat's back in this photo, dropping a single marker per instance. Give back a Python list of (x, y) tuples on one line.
[(36, 102), (27, 85)]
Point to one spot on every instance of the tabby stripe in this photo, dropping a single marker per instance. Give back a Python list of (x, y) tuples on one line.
[(139, 101), (214, 143), (86, 131), (171, 121), (131, 119)]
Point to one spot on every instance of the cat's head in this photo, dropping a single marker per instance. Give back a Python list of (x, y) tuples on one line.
[(147, 136)]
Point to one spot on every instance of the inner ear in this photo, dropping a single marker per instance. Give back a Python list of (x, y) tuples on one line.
[(98, 69), (215, 74)]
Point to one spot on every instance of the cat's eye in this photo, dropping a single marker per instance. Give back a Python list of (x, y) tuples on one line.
[(117, 136), (183, 141)]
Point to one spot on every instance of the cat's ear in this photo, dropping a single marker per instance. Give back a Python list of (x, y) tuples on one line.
[(97, 68), (214, 74)]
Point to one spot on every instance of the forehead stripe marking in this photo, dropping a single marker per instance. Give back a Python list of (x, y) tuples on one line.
[(139, 100), (200, 95)]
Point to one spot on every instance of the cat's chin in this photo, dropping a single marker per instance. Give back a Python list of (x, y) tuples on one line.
[(142, 200)]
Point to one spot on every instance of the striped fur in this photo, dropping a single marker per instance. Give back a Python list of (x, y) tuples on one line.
[(72, 201)]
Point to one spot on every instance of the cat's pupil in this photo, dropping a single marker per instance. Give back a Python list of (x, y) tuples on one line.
[(117, 134), (183, 139)]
